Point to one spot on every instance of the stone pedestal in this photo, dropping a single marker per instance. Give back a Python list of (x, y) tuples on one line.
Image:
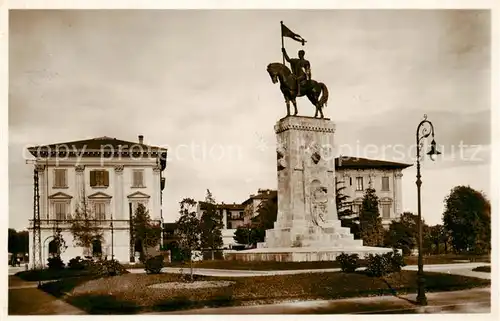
[(307, 227)]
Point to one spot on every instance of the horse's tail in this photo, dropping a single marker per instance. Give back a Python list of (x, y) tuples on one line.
[(324, 95)]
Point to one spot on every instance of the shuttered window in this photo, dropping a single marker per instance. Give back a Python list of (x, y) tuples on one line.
[(60, 178), (138, 178), (100, 210), (61, 209), (99, 178), (359, 183), (386, 211), (385, 183)]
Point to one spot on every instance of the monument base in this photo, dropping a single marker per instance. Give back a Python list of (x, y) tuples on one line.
[(303, 254)]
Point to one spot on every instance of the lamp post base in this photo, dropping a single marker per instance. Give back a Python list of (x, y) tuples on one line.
[(421, 298)]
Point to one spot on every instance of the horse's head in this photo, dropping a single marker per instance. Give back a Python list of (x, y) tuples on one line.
[(274, 70)]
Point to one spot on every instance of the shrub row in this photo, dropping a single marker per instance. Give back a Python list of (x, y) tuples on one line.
[(100, 267), (377, 265)]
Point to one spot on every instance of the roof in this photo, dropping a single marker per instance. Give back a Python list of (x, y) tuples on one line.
[(224, 206), (345, 162), (94, 146), (262, 194)]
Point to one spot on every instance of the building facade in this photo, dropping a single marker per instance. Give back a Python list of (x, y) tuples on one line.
[(233, 216), (238, 214), (107, 176), (357, 174)]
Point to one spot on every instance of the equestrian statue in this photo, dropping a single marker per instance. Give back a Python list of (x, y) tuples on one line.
[(297, 82)]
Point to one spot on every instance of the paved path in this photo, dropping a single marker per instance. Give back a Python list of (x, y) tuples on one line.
[(467, 301), (14, 269), (26, 299), (455, 268)]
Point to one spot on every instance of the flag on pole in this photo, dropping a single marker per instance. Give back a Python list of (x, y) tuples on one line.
[(285, 32)]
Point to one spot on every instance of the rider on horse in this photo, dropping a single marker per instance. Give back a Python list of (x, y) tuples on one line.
[(300, 67)]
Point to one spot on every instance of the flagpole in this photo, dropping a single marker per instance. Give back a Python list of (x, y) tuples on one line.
[(282, 43)]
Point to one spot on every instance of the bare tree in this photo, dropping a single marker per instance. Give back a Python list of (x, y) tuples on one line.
[(85, 226)]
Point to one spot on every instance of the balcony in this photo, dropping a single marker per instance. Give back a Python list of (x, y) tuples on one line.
[(66, 224)]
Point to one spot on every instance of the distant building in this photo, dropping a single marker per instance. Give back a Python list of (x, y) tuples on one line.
[(357, 174), (233, 216), (112, 177)]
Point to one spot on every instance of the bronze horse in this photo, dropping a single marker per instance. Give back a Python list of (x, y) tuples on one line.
[(288, 85)]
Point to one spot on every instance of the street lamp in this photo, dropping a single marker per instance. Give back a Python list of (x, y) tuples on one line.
[(424, 130)]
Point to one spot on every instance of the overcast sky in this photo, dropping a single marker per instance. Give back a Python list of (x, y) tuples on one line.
[(198, 78)]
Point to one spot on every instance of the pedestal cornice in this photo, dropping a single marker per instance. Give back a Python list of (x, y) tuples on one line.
[(323, 125)]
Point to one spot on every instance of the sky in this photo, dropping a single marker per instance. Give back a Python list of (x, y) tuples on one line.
[(196, 82)]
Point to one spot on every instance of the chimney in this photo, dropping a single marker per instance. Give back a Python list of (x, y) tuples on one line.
[(141, 139)]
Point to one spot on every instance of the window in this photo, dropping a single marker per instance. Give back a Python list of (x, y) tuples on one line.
[(61, 209), (385, 183), (100, 210), (350, 181), (60, 178), (138, 178), (229, 225), (386, 211), (359, 183), (99, 178), (96, 248), (356, 208)]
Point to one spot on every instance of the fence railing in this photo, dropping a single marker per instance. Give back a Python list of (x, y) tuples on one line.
[(46, 223)]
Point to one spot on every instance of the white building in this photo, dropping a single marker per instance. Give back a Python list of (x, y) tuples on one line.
[(112, 177), (357, 174), (233, 215), (238, 214)]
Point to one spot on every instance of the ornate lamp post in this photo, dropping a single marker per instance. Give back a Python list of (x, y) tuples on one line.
[(424, 130)]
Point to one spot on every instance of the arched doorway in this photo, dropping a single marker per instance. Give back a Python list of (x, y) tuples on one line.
[(96, 248), (53, 248)]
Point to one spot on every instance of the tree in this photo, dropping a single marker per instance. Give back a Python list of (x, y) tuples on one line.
[(211, 225), (372, 231), (59, 241), (267, 212), (249, 235), (255, 231), (345, 213), (85, 227), (18, 243), (403, 233), (188, 230), (467, 216), (437, 235), (145, 230)]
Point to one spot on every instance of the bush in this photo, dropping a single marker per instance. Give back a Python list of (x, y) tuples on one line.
[(396, 262), (100, 268), (112, 268), (76, 264), (348, 263), (55, 263), (380, 265), (153, 265)]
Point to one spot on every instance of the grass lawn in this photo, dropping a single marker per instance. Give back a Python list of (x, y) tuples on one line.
[(129, 293), (484, 268)]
